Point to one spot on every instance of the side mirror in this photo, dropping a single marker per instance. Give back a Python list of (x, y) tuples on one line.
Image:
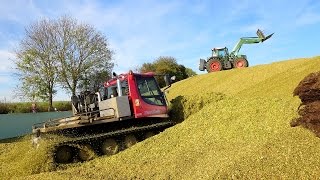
[(168, 80)]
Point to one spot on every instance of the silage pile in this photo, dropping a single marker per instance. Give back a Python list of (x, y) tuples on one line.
[(235, 126), (184, 106), (233, 138), (308, 91), (19, 157)]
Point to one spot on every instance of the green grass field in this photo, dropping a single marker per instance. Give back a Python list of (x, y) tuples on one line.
[(236, 125), (26, 107)]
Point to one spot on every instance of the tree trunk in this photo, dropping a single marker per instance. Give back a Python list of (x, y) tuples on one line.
[(50, 108), (73, 89)]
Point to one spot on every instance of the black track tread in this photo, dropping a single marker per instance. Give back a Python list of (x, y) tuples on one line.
[(116, 133)]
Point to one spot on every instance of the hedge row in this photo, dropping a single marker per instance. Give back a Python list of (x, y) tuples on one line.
[(26, 107)]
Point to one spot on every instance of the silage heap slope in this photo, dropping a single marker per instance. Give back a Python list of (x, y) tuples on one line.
[(271, 80), (243, 132)]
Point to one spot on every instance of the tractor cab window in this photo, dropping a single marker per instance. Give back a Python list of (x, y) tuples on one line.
[(221, 53), (150, 91)]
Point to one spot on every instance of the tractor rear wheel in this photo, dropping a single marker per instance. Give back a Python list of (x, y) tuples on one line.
[(214, 65), (240, 63)]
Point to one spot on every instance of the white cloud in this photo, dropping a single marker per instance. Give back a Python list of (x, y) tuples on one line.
[(135, 30), (309, 18), (6, 61), (7, 81), (140, 31), (19, 11), (7, 85), (4, 79), (309, 13)]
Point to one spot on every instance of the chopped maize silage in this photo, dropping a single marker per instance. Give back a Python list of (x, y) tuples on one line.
[(21, 157), (242, 133), (271, 80), (225, 139), (184, 106)]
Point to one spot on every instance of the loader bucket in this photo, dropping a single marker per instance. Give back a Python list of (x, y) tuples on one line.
[(267, 37), (262, 36)]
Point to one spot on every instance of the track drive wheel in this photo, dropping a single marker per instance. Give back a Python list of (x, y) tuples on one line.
[(240, 63), (63, 154), (86, 152), (130, 140), (109, 147), (149, 134), (214, 65)]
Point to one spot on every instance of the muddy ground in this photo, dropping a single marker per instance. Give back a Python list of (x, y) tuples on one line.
[(308, 90)]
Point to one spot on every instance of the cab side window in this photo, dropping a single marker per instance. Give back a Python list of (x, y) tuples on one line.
[(112, 91)]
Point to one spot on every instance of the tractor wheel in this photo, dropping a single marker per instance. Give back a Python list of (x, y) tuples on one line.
[(63, 154), (214, 65), (240, 63), (109, 147), (130, 140), (86, 152)]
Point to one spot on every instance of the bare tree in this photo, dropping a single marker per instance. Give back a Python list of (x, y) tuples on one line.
[(81, 51), (94, 81), (62, 52), (36, 64)]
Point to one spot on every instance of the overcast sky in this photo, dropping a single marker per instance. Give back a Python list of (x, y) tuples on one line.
[(140, 31)]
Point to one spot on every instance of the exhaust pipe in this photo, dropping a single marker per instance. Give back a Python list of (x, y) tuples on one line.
[(119, 87)]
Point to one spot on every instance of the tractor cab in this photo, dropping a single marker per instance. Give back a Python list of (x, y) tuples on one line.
[(220, 52)]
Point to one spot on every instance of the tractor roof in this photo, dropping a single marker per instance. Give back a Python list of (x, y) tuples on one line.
[(123, 76), (218, 48)]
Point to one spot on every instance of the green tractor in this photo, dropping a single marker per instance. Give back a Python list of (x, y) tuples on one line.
[(221, 59)]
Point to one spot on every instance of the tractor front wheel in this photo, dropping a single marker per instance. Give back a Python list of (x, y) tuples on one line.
[(240, 63), (214, 65)]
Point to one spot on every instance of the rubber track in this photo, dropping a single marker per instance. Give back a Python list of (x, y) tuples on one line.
[(115, 133)]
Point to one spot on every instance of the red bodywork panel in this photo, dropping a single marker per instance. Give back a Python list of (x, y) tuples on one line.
[(139, 107)]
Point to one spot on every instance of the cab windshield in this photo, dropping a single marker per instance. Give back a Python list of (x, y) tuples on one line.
[(221, 53), (150, 91)]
